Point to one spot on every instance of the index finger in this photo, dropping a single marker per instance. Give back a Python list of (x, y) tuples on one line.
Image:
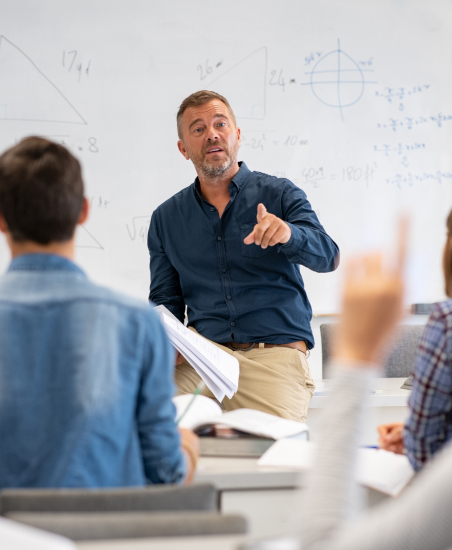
[(403, 227)]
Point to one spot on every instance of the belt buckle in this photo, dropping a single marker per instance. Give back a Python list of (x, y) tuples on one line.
[(242, 349)]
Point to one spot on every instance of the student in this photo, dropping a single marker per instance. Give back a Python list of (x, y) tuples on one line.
[(85, 373), (429, 425), (420, 518)]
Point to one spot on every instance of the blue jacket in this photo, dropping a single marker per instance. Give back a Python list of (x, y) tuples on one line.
[(86, 380)]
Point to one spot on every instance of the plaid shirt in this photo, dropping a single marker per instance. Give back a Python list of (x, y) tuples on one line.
[(430, 422)]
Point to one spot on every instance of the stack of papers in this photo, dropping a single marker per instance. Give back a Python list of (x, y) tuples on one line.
[(381, 470), (218, 369)]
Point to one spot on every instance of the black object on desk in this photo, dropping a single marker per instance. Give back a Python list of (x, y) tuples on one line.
[(408, 384), (243, 447)]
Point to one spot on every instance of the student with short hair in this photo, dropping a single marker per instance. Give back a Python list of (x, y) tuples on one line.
[(429, 425), (85, 373)]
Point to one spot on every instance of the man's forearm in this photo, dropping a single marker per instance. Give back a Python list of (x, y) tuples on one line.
[(311, 248)]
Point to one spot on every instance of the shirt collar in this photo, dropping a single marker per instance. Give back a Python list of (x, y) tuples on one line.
[(43, 262), (238, 180)]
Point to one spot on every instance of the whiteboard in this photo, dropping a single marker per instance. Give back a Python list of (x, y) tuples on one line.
[(351, 100)]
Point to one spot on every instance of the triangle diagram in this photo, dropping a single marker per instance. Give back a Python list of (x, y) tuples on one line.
[(84, 239), (244, 85), (27, 94)]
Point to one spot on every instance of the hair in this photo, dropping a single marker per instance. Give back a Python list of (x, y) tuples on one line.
[(196, 100), (41, 191), (447, 259)]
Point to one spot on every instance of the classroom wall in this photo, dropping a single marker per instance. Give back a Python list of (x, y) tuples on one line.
[(349, 99)]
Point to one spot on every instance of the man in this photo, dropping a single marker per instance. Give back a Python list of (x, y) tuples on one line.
[(239, 279), (85, 373)]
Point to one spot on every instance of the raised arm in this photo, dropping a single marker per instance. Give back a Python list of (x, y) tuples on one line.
[(165, 285), (309, 244), (298, 233)]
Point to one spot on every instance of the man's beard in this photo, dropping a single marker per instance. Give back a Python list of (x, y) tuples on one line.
[(211, 171), (214, 171)]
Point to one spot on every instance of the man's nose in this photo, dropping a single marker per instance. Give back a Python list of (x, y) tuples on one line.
[(212, 134)]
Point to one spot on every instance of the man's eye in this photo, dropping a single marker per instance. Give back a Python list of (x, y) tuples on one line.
[(221, 124), (197, 130)]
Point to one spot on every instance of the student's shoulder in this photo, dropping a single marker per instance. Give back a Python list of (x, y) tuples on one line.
[(128, 304), (442, 313)]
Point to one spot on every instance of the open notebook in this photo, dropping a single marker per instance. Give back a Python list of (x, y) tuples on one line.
[(218, 369), (381, 470), (205, 412)]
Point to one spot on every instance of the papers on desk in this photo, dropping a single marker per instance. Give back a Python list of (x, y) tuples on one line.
[(205, 412), (381, 470), (218, 369), (17, 536)]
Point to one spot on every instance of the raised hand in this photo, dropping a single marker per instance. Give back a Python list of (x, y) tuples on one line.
[(372, 305), (269, 230)]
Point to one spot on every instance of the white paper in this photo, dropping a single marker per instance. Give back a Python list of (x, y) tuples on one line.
[(218, 369), (17, 536), (376, 468), (263, 424), (202, 407)]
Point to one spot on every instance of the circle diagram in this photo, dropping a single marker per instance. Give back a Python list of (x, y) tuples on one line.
[(337, 80)]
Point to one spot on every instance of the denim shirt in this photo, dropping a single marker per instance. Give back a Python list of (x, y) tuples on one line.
[(85, 383), (235, 291)]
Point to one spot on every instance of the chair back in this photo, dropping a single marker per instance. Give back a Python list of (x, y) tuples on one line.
[(198, 496), (80, 526), (399, 359)]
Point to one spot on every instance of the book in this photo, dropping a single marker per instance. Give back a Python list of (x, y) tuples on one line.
[(204, 412), (382, 470), (218, 369)]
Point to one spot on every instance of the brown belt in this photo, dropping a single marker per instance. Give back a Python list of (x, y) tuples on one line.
[(300, 346)]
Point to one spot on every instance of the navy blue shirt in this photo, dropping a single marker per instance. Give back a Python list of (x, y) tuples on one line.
[(235, 291)]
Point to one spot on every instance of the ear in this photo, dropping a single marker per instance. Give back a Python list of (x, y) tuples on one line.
[(239, 135), (182, 149), (84, 212), (3, 226)]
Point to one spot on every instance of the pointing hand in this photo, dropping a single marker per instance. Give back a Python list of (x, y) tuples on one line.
[(269, 230)]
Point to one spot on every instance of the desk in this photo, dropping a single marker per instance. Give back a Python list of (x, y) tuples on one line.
[(389, 403), (228, 542), (268, 497)]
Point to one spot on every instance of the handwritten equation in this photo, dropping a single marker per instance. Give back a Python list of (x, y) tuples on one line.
[(399, 149), (263, 141), (409, 180), (317, 176), (394, 95), (408, 123), (139, 227)]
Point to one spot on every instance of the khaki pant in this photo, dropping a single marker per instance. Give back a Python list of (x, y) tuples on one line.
[(274, 380)]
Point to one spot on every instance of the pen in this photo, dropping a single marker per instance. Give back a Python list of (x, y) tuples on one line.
[(198, 390)]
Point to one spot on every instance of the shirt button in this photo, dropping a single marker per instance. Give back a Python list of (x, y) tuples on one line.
[(218, 238), (223, 270), (212, 209), (232, 324), (228, 296)]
